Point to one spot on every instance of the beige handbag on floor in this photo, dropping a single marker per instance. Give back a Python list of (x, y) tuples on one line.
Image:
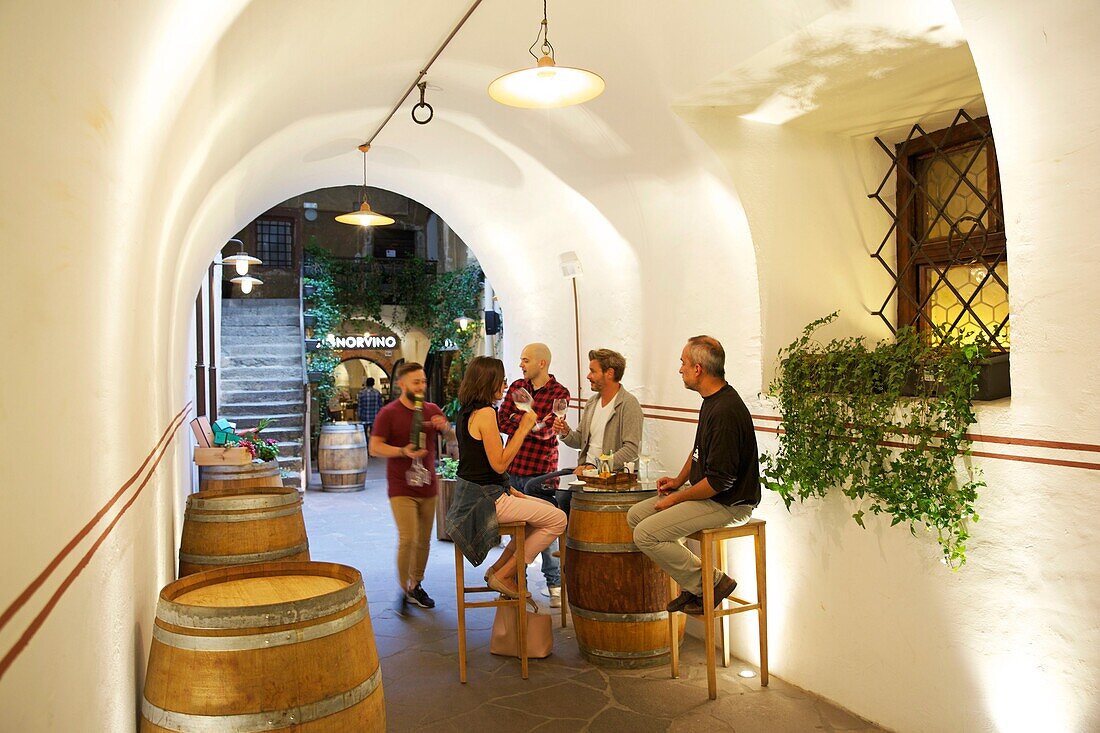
[(540, 633)]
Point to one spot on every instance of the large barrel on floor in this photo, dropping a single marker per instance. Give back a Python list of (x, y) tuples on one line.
[(250, 475), (241, 526), (617, 595), (342, 457), (269, 647)]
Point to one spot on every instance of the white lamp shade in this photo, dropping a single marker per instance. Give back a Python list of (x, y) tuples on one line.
[(546, 86), (246, 282)]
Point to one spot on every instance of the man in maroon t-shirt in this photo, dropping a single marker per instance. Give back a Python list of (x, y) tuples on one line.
[(412, 502)]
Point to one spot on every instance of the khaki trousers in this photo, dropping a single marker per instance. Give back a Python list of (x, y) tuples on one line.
[(660, 535), (414, 516)]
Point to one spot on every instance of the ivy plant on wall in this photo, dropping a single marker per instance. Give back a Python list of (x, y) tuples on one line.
[(323, 306), (884, 425)]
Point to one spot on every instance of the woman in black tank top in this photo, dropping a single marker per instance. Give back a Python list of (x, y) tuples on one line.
[(482, 498)]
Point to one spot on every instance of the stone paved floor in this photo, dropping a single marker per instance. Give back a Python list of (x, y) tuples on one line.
[(564, 693)]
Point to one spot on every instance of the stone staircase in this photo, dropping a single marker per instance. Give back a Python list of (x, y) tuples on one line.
[(260, 374)]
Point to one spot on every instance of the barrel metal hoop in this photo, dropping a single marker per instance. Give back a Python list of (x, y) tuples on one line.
[(623, 655), (635, 618), (275, 614), (601, 546), (244, 501), (258, 641), (269, 556), (249, 517), (354, 446), (342, 471), (265, 721)]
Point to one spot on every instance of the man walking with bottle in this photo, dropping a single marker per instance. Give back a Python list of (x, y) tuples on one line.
[(405, 434)]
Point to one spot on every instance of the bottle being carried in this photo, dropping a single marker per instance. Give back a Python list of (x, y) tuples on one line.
[(418, 474)]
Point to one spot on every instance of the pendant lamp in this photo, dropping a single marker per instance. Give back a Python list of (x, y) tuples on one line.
[(365, 216), (246, 282), (546, 85)]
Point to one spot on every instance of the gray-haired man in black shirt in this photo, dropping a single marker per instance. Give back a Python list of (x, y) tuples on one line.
[(718, 486)]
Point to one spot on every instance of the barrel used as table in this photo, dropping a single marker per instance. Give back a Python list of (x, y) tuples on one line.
[(218, 478), (342, 457), (268, 647), (241, 526), (617, 595)]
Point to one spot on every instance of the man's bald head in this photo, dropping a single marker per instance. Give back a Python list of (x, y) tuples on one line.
[(534, 360)]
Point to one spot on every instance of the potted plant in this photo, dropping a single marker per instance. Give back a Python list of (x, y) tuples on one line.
[(308, 289), (447, 470), (309, 320)]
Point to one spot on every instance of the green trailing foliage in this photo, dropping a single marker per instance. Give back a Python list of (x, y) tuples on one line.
[(886, 425), (323, 304)]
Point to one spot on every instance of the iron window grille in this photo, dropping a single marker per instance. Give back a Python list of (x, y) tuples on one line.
[(275, 242), (947, 224)]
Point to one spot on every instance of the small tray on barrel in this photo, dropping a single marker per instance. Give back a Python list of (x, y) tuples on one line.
[(614, 482)]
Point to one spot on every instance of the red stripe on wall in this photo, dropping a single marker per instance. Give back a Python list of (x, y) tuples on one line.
[(23, 597), (36, 624)]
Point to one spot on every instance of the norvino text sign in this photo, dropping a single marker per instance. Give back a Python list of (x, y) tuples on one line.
[(360, 342)]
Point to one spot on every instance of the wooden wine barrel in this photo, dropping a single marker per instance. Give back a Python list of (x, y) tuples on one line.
[(342, 457), (442, 505), (220, 478), (269, 647), (617, 595), (241, 526)]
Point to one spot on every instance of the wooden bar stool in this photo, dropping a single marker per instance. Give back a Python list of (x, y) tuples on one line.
[(519, 532), (712, 542)]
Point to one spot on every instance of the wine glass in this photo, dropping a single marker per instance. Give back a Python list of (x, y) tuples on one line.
[(561, 406), (524, 401)]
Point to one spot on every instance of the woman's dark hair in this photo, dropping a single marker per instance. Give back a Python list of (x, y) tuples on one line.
[(481, 381)]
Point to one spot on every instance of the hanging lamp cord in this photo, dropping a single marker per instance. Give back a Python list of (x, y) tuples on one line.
[(544, 34), (424, 72)]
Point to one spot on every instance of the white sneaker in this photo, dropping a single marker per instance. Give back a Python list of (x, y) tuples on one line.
[(555, 597)]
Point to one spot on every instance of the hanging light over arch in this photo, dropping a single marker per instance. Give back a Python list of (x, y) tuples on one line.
[(364, 216), (546, 85)]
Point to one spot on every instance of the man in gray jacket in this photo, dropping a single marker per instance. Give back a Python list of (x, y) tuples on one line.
[(612, 420)]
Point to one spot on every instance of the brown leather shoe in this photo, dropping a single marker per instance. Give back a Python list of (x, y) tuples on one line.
[(723, 588), (678, 603)]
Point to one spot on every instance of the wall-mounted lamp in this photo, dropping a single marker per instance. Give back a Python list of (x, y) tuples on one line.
[(241, 260), (463, 322), (246, 282)]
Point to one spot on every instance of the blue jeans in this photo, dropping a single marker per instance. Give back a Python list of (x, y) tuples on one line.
[(532, 486)]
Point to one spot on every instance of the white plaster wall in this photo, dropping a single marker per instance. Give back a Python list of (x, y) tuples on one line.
[(871, 619)]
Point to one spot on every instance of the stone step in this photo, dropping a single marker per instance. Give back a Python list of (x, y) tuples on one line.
[(290, 448), (289, 361), (272, 399), (245, 303), (246, 417), (244, 334), (261, 386), (233, 373), (278, 348), (262, 408)]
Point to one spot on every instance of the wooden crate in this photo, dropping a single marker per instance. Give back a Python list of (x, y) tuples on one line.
[(222, 456)]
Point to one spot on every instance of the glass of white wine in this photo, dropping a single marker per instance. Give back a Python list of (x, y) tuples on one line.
[(524, 401)]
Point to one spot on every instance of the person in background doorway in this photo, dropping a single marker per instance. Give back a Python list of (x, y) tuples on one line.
[(412, 503), (335, 406), (718, 486), (370, 402), (538, 452)]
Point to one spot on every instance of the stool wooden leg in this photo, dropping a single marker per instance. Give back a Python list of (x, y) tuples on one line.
[(723, 621), (521, 584), (708, 615), (762, 596), (673, 635), (460, 587)]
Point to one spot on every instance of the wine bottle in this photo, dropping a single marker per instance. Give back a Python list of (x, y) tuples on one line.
[(416, 432)]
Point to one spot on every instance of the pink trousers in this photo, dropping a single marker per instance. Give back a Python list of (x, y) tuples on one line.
[(545, 522)]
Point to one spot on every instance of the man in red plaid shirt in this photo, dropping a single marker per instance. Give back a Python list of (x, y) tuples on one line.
[(539, 453)]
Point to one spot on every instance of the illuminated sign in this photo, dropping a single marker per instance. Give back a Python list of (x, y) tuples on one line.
[(361, 342)]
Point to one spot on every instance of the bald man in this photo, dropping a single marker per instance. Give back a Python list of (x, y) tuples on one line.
[(539, 453)]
